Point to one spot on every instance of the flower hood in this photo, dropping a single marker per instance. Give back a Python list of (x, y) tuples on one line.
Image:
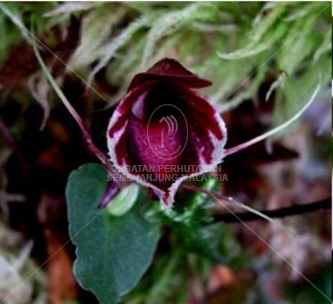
[(163, 132)]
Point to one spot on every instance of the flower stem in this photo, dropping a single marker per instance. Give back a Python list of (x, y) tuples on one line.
[(298, 209), (85, 133)]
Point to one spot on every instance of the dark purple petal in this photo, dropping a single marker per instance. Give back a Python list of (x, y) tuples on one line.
[(164, 125), (169, 70)]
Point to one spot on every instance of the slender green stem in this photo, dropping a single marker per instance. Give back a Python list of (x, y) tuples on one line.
[(275, 130)]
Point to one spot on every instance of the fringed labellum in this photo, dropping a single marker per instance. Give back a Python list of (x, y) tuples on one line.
[(162, 132)]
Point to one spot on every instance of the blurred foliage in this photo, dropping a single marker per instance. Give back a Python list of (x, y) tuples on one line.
[(16, 268), (236, 45), (300, 293), (236, 50)]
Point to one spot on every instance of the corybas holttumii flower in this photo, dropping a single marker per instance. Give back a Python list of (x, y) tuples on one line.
[(163, 132)]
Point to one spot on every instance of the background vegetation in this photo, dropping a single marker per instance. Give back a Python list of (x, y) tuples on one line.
[(264, 59)]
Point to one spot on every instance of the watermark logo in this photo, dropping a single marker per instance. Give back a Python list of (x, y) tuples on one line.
[(167, 131), (166, 173), (172, 127)]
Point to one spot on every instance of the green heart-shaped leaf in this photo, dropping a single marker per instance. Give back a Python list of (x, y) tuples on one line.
[(112, 252)]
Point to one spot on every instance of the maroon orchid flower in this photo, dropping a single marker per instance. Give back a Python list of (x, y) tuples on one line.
[(163, 132)]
